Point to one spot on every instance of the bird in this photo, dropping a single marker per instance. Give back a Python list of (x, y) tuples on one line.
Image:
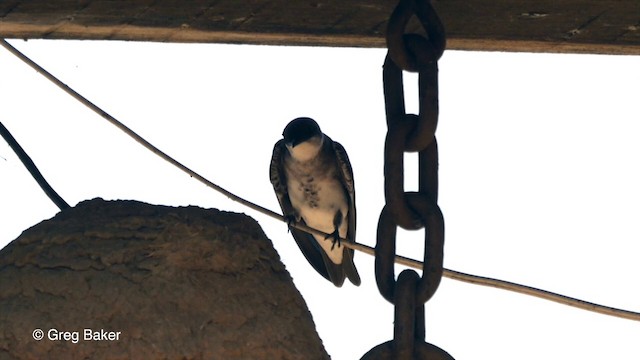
[(313, 181)]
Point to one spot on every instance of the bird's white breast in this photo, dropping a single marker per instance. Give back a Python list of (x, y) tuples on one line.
[(307, 150), (317, 201)]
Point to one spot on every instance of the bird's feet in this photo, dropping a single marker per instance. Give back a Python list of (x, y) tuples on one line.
[(335, 238)]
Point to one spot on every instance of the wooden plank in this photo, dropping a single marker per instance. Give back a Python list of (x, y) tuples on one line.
[(581, 26)]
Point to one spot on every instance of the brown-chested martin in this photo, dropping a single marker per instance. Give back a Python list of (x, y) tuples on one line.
[(313, 180)]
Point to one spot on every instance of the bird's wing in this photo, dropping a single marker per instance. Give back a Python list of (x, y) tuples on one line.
[(346, 178), (279, 179), (317, 257), (306, 242)]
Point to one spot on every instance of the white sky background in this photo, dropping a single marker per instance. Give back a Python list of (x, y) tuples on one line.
[(538, 173)]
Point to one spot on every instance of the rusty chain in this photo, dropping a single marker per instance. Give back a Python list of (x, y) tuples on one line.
[(410, 210)]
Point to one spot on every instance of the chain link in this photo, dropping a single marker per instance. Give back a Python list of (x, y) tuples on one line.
[(410, 210), (413, 52)]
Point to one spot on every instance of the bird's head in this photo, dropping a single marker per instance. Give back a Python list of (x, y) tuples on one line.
[(303, 138)]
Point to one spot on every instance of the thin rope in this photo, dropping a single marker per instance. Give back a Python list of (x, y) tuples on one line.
[(452, 274), (32, 168)]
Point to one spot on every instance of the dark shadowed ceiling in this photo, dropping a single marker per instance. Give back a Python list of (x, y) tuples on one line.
[(582, 26)]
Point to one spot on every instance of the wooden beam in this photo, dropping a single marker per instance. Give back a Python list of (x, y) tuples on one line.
[(580, 26)]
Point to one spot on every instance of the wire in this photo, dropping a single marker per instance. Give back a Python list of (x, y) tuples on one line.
[(452, 274), (33, 169), (131, 133)]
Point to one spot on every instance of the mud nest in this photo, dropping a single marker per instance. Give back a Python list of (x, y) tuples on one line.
[(128, 280)]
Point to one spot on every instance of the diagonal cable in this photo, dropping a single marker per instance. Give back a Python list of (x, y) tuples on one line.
[(452, 274), (33, 169)]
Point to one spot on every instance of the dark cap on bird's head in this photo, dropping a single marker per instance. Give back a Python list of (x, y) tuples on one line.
[(300, 130)]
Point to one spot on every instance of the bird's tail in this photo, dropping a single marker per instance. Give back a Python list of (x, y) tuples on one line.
[(350, 268)]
